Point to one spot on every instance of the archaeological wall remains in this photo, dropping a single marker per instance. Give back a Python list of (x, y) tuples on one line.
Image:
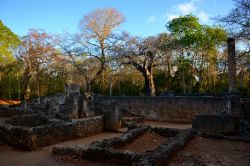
[(33, 131), (178, 109)]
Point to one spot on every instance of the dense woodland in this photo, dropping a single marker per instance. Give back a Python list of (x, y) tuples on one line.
[(188, 58)]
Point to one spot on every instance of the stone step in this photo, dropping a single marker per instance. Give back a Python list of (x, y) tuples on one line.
[(137, 119), (121, 130)]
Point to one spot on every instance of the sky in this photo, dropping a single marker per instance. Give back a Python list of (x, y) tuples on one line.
[(143, 17)]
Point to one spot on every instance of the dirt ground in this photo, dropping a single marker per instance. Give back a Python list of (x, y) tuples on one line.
[(146, 142), (167, 125), (213, 152), (199, 151), (2, 119), (10, 156)]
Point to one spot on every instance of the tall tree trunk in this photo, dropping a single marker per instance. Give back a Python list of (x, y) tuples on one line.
[(110, 87), (37, 85), (182, 72), (201, 80), (88, 86), (149, 83), (183, 81), (25, 91)]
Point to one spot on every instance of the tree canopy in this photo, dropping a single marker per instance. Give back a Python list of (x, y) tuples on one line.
[(237, 22), (189, 57), (8, 42)]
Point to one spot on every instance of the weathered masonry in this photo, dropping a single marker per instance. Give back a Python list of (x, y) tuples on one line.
[(179, 109), (34, 131)]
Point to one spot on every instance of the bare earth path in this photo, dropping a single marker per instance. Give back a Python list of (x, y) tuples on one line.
[(167, 125), (213, 152), (146, 142), (10, 156)]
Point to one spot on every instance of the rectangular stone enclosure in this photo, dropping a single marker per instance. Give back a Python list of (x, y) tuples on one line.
[(106, 151), (33, 131)]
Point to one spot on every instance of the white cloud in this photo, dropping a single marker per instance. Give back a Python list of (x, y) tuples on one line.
[(186, 8), (203, 17), (151, 19), (189, 7), (171, 16)]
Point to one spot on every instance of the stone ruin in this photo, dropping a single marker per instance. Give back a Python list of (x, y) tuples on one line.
[(108, 151), (232, 120), (71, 105), (31, 132), (51, 119)]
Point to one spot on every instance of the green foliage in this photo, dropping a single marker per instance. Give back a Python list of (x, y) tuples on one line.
[(188, 31), (10, 80), (130, 88), (189, 59), (8, 42), (185, 29), (162, 82), (197, 45)]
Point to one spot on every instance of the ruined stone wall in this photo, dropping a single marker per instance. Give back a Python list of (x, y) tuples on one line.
[(28, 120), (8, 112), (179, 109), (31, 138), (245, 107)]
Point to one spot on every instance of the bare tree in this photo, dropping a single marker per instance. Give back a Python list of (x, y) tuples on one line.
[(93, 43), (237, 22), (144, 55), (36, 52)]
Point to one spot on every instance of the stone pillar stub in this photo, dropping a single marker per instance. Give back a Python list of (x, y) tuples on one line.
[(71, 88), (233, 105), (231, 66), (87, 105), (233, 96), (112, 117)]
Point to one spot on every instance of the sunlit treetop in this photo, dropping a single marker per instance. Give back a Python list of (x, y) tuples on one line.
[(8, 42)]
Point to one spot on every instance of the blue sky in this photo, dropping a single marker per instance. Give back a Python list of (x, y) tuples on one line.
[(143, 17)]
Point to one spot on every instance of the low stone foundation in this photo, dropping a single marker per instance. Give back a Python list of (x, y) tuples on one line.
[(106, 151), (221, 136), (29, 120), (8, 112), (39, 132)]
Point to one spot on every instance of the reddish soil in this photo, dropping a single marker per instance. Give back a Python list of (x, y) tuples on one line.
[(71, 160), (167, 125), (9, 102), (214, 152), (146, 142), (10, 156)]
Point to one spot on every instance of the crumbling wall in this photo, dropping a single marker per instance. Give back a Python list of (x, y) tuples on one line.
[(28, 120), (181, 109), (31, 138), (8, 112), (223, 124), (245, 107)]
